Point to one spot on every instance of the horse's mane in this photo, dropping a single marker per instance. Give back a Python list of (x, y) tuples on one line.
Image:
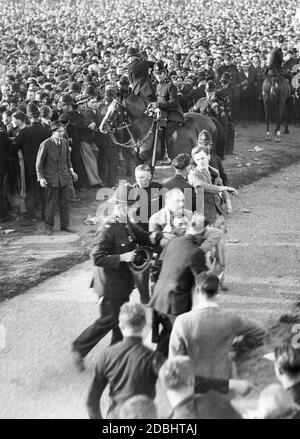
[(135, 104)]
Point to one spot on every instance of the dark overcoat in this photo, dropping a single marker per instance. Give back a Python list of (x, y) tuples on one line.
[(29, 140), (138, 74), (182, 261)]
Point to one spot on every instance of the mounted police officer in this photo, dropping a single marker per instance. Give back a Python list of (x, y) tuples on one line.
[(138, 74), (167, 106), (215, 105), (275, 64)]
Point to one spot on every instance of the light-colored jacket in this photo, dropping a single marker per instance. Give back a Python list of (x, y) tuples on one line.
[(206, 334), (161, 222)]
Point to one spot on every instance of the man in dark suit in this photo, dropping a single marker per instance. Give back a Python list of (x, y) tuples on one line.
[(149, 201), (230, 67), (198, 90), (28, 141), (182, 261), (54, 171), (248, 80), (4, 173), (92, 119), (259, 110), (74, 131), (115, 245), (182, 165)]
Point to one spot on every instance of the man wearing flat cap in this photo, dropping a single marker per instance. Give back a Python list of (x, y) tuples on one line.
[(115, 244), (54, 172)]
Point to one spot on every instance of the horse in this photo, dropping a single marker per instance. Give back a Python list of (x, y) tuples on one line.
[(275, 93), (129, 114)]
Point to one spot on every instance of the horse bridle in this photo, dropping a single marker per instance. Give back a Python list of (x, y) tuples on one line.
[(126, 125)]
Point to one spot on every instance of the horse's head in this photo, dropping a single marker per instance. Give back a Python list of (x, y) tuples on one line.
[(115, 116)]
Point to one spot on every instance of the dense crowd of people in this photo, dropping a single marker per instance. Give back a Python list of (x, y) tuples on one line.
[(67, 60), (62, 64)]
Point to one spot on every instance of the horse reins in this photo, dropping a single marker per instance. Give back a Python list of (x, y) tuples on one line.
[(134, 145)]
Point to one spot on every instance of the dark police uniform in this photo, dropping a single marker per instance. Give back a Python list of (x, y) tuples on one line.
[(138, 73), (234, 86), (113, 280), (168, 101)]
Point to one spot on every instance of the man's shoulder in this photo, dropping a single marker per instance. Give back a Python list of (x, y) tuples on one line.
[(88, 111), (170, 182), (36, 126), (183, 319), (155, 185), (117, 350), (177, 181), (215, 405), (160, 214), (48, 141), (110, 352)]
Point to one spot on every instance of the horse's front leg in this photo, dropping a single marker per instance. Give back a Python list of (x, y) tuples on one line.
[(267, 119), (286, 116), (278, 133)]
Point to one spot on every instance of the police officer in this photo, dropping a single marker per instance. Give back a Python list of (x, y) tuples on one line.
[(231, 68), (275, 64), (138, 74), (115, 245), (167, 106)]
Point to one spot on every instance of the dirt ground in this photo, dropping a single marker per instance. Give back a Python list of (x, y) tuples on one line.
[(29, 257), (262, 272)]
